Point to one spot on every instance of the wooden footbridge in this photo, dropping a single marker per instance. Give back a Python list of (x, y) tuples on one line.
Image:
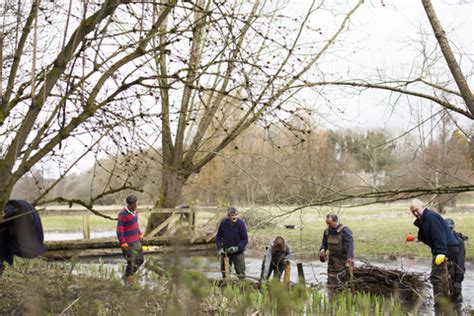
[(185, 229)]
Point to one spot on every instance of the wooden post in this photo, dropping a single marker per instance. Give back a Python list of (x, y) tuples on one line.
[(301, 278), (286, 276), (226, 268), (86, 229), (350, 271)]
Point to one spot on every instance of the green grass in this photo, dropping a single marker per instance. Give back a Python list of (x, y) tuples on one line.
[(379, 230), (42, 288)]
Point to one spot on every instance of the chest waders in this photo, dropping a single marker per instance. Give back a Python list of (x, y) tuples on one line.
[(337, 255)]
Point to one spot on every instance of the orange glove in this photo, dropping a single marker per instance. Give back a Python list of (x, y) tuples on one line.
[(410, 237), (125, 246)]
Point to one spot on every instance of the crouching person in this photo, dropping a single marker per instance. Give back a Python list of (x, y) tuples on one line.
[(231, 241), (21, 233), (277, 257), (130, 237)]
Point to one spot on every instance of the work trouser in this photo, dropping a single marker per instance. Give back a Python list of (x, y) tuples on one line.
[(456, 269), (336, 270), (238, 260), (134, 257), (440, 280)]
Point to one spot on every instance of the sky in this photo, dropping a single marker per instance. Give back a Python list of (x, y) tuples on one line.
[(384, 35)]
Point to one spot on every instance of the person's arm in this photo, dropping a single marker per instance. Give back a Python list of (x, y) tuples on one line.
[(438, 236), (348, 242), (121, 228), (287, 253), (220, 236), (266, 264), (324, 242), (244, 239)]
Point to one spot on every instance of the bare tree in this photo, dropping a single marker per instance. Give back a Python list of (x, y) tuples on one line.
[(241, 65), (53, 94)]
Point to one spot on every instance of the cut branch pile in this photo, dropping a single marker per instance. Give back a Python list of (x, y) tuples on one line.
[(404, 286)]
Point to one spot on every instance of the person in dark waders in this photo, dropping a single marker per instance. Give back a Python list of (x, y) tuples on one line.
[(277, 257), (338, 247), (434, 232), (231, 241), (457, 267)]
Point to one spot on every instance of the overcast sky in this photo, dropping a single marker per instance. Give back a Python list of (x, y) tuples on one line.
[(384, 36)]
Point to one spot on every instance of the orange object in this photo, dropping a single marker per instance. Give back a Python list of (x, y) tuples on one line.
[(410, 237)]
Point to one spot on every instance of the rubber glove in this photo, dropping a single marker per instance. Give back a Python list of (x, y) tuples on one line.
[(232, 250), (440, 259)]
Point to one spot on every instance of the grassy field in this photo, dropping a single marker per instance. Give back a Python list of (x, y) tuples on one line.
[(379, 230)]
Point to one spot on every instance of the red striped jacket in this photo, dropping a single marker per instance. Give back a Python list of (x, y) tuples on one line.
[(128, 230)]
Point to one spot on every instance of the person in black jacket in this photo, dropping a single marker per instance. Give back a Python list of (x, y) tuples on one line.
[(21, 232), (457, 268), (434, 232)]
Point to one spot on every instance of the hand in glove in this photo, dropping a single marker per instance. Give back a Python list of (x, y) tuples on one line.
[(322, 255), (220, 252), (439, 259), (232, 250), (350, 261)]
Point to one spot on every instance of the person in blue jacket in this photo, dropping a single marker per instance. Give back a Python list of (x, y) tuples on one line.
[(231, 241), (434, 232)]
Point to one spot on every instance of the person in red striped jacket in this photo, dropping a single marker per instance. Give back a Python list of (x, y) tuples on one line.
[(130, 237)]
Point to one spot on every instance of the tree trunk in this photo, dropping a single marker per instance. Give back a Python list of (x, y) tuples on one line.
[(170, 196), (5, 187)]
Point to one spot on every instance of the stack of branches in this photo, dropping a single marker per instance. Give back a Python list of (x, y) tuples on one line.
[(404, 286)]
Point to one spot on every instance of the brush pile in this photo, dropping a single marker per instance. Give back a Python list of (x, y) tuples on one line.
[(406, 287)]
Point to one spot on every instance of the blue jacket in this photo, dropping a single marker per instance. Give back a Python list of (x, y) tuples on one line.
[(434, 232), (231, 235)]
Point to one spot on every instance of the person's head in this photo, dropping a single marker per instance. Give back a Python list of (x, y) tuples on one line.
[(278, 244), (131, 202), (332, 220), (450, 223), (417, 208), (232, 214)]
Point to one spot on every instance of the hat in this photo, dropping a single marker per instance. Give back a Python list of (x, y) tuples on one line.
[(231, 210), (450, 223)]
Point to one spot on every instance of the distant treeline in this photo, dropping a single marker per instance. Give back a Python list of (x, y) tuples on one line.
[(268, 166)]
